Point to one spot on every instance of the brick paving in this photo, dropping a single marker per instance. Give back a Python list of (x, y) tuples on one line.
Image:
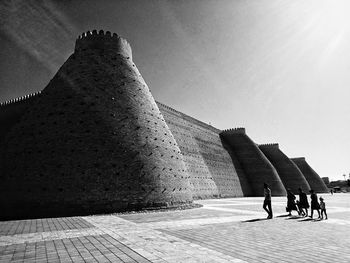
[(223, 230), (42, 225)]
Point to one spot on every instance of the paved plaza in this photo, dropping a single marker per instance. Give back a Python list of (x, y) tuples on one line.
[(223, 230)]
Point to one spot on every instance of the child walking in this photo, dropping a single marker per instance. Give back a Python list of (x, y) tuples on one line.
[(323, 208)]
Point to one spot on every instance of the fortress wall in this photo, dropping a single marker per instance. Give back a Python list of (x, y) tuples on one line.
[(256, 166), (12, 111), (93, 142), (314, 180), (289, 173), (243, 178), (209, 165)]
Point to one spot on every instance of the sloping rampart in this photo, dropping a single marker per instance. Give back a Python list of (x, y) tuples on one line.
[(256, 166), (314, 180), (211, 170), (289, 173), (93, 142)]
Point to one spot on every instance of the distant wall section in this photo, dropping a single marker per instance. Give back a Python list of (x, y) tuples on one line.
[(314, 180), (212, 172), (12, 111), (288, 171), (256, 166)]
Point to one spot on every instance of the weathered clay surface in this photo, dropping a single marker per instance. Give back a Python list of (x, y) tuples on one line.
[(289, 173), (94, 141), (209, 165), (314, 180), (256, 166)]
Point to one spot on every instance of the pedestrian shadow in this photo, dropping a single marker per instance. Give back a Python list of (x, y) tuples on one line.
[(283, 215), (310, 219), (293, 217), (254, 220)]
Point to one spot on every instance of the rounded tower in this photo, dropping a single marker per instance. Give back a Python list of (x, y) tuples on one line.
[(256, 166), (288, 171), (94, 141), (314, 180)]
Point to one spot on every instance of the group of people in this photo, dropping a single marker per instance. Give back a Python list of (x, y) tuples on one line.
[(301, 205)]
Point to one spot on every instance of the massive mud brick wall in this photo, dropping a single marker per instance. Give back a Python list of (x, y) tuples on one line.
[(209, 165), (12, 111), (314, 180), (94, 141), (256, 166), (289, 173)]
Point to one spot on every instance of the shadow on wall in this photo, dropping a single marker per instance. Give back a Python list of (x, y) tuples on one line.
[(254, 163), (243, 179), (87, 145), (221, 171), (289, 173)]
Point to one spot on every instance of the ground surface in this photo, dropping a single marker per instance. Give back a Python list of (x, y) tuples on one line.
[(223, 230)]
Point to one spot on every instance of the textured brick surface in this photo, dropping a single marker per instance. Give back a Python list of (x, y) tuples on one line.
[(289, 173), (212, 172), (314, 180), (256, 166), (42, 225), (94, 141), (12, 111), (102, 248)]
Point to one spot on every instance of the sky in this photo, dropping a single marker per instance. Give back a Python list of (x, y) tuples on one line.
[(279, 68)]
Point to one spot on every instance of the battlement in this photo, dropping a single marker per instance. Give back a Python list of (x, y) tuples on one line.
[(298, 159), (269, 145), (167, 107), (103, 41), (191, 119), (20, 99), (238, 130)]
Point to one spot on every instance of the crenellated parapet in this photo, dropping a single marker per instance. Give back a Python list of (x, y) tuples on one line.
[(298, 159), (104, 41), (238, 130), (187, 117), (11, 112), (269, 145), (168, 108), (20, 99)]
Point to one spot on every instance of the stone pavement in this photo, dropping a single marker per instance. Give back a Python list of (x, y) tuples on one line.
[(223, 230)]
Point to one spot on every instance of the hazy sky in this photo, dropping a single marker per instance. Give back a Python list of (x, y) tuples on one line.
[(279, 68)]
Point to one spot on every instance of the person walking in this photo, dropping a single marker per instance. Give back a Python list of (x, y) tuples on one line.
[(314, 204), (303, 203), (323, 208), (267, 201), (291, 202)]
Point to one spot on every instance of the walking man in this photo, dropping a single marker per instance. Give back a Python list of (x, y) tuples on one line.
[(267, 201)]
